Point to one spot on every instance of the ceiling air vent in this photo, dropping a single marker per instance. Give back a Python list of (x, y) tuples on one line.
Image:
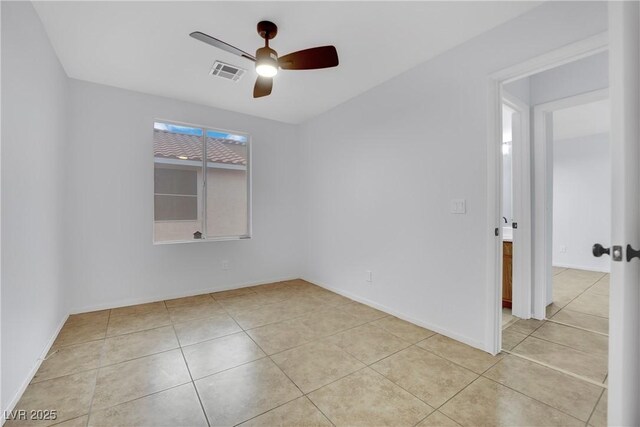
[(226, 71)]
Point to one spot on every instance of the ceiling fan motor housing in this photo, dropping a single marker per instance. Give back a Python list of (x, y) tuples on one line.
[(267, 56)]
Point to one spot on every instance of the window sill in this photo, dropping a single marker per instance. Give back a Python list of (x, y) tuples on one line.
[(212, 239)]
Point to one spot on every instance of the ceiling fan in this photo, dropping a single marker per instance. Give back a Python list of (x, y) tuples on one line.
[(267, 60)]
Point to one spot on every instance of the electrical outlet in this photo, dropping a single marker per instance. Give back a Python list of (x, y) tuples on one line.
[(563, 249), (225, 265), (369, 276)]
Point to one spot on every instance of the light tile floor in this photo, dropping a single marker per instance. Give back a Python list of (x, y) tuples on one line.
[(573, 339), (290, 353)]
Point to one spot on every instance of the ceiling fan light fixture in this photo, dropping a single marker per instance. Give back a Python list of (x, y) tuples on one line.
[(266, 62)]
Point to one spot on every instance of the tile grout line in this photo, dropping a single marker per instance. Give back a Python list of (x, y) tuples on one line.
[(533, 398), (557, 369), (186, 364), (103, 354), (551, 320), (576, 327), (593, 411)]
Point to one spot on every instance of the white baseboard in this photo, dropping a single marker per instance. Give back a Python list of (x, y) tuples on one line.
[(581, 267), (161, 297), (436, 328), (14, 401)]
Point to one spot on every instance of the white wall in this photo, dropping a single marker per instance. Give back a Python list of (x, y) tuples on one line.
[(581, 201), (34, 137), (381, 169), (109, 221)]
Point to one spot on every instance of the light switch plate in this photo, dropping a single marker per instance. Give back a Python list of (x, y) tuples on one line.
[(458, 206)]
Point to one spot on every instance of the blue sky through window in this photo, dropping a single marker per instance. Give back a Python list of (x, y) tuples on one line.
[(188, 130)]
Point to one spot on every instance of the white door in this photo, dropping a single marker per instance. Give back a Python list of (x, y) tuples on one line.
[(624, 326)]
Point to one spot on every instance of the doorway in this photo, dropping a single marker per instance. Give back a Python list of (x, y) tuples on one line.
[(555, 194)]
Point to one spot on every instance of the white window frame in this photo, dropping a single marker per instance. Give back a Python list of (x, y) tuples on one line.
[(205, 164)]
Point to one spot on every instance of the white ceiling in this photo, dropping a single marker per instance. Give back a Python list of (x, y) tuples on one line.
[(144, 46), (582, 120)]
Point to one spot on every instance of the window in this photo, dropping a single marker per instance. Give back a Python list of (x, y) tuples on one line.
[(200, 196)]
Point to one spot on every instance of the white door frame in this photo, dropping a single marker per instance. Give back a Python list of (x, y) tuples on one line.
[(566, 54), (521, 180), (543, 194)]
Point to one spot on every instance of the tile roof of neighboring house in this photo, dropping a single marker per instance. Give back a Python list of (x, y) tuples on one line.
[(172, 145)]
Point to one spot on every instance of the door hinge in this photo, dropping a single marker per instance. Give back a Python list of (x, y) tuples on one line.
[(497, 231)]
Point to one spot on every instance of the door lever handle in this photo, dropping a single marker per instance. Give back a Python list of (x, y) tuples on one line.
[(632, 253), (598, 250)]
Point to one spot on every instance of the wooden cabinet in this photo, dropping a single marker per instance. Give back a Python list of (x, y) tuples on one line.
[(507, 273)]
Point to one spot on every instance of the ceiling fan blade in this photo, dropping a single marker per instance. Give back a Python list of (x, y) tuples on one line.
[(263, 87), (221, 45), (310, 59)]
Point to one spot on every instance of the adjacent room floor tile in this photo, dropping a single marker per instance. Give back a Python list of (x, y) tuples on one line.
[(599, 417), (69, 360), (403, 329), (366, 398), (177, 406), (137, 322), (368, 343), (471, 358), (241, 393), (579, 339), (299, 412), (70, 396), (138, 344), (425, 375), (595, 304), (199, 330), (210, 357), (592, 366), (140, 377), (566, 393), (583, 320), (487, 403), (558, 270), (438, 419), (316, 364)]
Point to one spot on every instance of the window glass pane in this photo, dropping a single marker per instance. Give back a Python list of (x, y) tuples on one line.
[(177, 182), (227, 184)]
